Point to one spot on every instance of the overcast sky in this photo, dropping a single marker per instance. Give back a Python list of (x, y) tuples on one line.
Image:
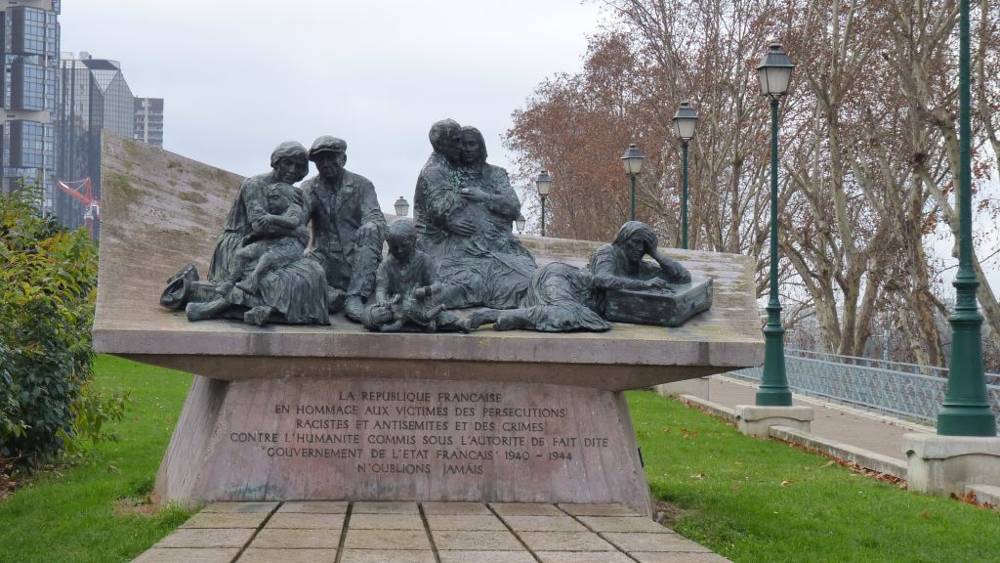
[(240, 76)]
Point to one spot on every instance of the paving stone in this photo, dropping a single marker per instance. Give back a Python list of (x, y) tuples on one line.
[(315, 507), (386, 522), (639, 524), (653, 542), (225, 537), (174, 555), (387, 556), (469, 522), (455, 508), (295, 539), (387, 539), (240, 507), (525, 509), (385, 508), (583, 557), (544, 524), (225, 520), (304, 521), (484, 556), (565, 541), (254, 555), (677, 557), (484, 541), (598, 509)]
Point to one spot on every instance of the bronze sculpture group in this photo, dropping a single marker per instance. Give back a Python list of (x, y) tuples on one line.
[(298, 255)]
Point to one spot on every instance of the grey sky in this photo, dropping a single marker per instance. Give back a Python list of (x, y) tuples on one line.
[(240, 76)]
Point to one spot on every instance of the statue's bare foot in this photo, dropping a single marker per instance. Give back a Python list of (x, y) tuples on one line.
[(335, 299), (465, 326), (394, 326), (354, 308), (479, 318), (257, 316), (202, 311)]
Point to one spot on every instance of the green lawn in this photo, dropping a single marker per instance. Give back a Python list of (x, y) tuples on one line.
[(748, 499), (757, 500), (76, 515)]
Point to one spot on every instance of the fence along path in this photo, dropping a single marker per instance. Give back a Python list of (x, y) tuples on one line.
[(908, 391)]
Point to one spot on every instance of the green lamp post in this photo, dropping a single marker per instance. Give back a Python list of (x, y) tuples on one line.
[(632, 160), (543, 184), (965, 411), (774, 72), (684, 122)]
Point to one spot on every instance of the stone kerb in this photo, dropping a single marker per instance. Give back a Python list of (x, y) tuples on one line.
[(950, 464), (756, 421)]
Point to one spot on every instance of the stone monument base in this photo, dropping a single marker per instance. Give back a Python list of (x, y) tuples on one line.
[(337, 412), (316, 438)]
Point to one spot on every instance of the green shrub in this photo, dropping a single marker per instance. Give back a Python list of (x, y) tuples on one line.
[(48, 277)]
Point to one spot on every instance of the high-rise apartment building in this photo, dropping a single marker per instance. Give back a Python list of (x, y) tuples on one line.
[(149, 121), (30, 53)]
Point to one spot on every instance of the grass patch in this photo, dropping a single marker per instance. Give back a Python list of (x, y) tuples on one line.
[(750, 500), (97, 511), (122, 188), (757, 500)]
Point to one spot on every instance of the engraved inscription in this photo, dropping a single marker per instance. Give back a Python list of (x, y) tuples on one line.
[(405, 432)]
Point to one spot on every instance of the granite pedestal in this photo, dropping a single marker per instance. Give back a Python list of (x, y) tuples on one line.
[(336, 412)]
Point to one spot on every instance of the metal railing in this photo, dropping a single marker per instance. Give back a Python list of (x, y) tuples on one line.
[(908, 391)]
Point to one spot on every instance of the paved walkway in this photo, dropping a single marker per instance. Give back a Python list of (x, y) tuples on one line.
[(431, 532), (863, 429)]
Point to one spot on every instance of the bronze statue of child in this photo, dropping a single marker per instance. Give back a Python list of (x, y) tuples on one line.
[(276, 247), (405, 284)]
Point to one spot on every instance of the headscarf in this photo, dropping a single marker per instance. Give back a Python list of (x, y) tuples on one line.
[(288, 149), (637, 229)]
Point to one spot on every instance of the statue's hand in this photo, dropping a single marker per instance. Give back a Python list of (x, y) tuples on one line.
[(262, 222), (680, 274), (465, 227), (474, 194), (655, 283), (390, 301), (366, 230)]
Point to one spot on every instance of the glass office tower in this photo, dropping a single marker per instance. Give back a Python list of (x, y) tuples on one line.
[(94, 97)]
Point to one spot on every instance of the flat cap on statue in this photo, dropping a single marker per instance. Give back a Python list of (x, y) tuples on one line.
[(327, 143)]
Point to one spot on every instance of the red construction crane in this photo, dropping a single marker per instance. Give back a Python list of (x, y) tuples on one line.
[(83, 191)]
